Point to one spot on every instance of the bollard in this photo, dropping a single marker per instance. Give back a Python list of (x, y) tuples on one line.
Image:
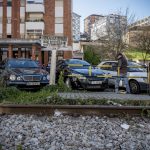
[(90, 70), (118, 71)]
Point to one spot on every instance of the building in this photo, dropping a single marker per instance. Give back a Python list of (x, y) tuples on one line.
[(109, 25), (23, 22), (89, 21), (142, 22), (136, 30), (76, 27)]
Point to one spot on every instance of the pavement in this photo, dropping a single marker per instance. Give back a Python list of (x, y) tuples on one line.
[(103, 95)]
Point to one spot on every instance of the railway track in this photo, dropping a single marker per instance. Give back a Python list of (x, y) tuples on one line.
[(74, 110)]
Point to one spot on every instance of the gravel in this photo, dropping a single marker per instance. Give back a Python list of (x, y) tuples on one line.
[(58, 132)]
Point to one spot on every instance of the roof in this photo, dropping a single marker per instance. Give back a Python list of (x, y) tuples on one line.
[(18, 42)]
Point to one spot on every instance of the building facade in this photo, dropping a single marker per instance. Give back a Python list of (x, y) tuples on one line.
[(89, 21), (142, 22), (76, 27), (136, 30), (23, 22), (109, 25)]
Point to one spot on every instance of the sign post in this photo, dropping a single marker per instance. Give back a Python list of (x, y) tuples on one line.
[(54, 44)]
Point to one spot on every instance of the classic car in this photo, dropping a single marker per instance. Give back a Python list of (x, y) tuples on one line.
[(22, 73), (79, 74)]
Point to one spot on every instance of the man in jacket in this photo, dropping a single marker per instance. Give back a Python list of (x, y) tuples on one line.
[(122, 72)]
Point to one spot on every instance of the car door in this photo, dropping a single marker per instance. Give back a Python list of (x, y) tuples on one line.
[(110, 68)]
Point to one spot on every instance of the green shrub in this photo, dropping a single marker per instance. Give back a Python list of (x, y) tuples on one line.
[(61, 85)]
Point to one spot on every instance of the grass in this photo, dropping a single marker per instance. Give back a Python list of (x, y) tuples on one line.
[(135, 54), (12, 95), (49, 96)]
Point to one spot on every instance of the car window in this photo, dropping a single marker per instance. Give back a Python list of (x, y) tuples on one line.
[(134, 67), (75, 63), (114, 66), (106, 66), (22, 64)]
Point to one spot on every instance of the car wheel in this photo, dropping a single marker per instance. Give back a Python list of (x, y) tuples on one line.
[(68, 83), (134, 87)]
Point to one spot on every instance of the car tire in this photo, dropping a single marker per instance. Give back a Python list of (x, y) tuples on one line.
[(134, 87), (68, 83)]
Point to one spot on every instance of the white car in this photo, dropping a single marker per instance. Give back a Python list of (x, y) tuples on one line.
[(137, 75)]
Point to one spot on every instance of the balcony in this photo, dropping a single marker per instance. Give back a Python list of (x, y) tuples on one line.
[(35, 8), (34, 25)]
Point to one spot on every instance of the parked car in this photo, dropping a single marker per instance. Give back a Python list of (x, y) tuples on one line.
[(134, 70), (23, 73), (77, 74)]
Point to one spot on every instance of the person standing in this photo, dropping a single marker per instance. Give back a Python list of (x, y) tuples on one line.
[(122, 72)]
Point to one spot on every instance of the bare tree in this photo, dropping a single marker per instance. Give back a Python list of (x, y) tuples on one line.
[(111, 31), (143, 43)]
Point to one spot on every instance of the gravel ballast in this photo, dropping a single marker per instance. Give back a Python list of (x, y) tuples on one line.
[(58, 132)]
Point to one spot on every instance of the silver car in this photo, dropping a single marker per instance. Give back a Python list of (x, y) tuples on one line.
[(137, 75)]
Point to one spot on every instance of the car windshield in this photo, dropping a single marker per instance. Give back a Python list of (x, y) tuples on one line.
[(22, 64), (76, 63), (134, 67)]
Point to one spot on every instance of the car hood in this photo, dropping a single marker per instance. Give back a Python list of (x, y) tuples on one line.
[(21, 71), (85, 72)]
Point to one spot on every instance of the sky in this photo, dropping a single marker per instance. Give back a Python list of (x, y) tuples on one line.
[(84, 8)]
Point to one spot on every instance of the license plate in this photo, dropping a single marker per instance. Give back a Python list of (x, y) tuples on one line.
[(33, 83), (96, 82)]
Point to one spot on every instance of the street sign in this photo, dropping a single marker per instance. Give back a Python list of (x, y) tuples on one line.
[(54, 42)]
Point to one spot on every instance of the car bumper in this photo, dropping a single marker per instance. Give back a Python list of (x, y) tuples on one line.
[(96, 84), (27, 85), (143, 86)]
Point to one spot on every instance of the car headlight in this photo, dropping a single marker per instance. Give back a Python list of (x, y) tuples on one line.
[(19, 78), (12, 77), (48, 77), (82, 78), (79, 76), (76, 75)]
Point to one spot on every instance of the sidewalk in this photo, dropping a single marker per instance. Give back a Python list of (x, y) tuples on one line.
[(103, 95)]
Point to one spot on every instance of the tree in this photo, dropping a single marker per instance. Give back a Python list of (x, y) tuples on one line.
[(143, 43), (111, 30), (90, 55)]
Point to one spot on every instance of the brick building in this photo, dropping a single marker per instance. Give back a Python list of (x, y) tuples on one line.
[(23, 22)]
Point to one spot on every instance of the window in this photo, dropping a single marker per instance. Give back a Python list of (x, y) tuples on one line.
[(8, 36), (22, 3), (22, 20), (58, 20), (1, 2), (9, 20), (9, 3), (59, 3)]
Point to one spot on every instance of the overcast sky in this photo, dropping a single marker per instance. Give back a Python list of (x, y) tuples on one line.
[(140, 8)]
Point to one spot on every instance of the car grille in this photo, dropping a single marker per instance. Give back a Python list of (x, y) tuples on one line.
[(31, 78)]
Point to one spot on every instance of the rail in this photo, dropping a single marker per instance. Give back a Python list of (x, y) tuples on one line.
[(74, 109)]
